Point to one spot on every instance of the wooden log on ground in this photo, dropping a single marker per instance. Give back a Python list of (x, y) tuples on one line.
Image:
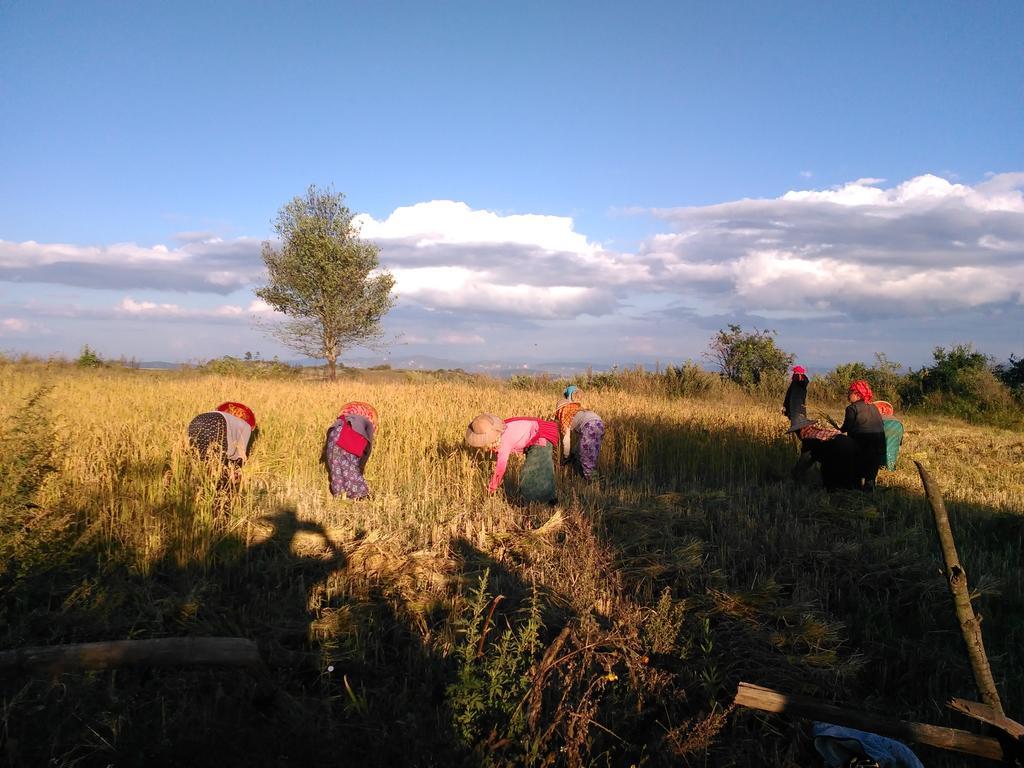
[(767, 700), (956, 578), (986, 714), (160, 652)]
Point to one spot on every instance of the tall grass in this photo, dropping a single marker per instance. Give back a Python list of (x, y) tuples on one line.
[(626, 617)]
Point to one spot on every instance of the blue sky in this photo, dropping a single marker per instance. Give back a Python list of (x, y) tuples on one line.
[(548, 181)]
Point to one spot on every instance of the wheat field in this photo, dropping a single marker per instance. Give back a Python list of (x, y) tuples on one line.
[(610, 629)]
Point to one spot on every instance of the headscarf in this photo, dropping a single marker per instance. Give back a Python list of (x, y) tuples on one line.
[(240, 411), (863, 389), (571, 393), (800, 369), (358, 408)]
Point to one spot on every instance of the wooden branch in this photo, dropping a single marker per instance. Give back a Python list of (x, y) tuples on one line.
[(162, 652), (985, 714), (767, 700), (956, 578)]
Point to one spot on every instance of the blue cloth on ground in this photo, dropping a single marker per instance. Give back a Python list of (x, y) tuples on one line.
[(838, 744)]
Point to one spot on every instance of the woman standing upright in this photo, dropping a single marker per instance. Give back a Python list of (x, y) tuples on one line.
[(347, 449), (795, 403), (863, 423)]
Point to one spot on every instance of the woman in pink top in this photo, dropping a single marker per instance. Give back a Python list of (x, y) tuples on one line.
[(534, 437)]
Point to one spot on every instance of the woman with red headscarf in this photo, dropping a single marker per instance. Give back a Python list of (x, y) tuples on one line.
[(224, 433), (347, 449), (863, 423)]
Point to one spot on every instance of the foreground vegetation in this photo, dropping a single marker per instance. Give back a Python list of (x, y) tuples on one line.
[(435, 625)]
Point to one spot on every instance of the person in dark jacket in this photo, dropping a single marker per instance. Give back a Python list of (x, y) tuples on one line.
[(795, 403), (836, 454), (863, 423)]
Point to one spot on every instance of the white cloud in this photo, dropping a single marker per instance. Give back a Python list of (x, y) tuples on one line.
[(447, 222), (447, 255), (13, 325), (210, 265), (460, 338), (129, 307), (259, 306), (923, 246)]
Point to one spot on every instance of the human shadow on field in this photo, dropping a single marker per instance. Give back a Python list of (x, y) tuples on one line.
[(347, 667), (834, 595)]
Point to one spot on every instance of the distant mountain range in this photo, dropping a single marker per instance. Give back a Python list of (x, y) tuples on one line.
[(496, 368)]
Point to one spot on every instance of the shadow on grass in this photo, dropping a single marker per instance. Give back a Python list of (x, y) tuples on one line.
[(835, 595), (690, 564)]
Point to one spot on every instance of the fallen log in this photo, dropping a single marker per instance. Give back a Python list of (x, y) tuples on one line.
[(768, 700), (160, 652), (986, 714)]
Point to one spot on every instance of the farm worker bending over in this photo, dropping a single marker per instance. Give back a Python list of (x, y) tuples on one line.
[(534, 437), (795, 402), (863, 423), (347, 449), (835, 452), (223, 433), (582, 432)]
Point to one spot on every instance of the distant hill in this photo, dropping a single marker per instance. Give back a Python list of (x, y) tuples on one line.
[(502, 369)]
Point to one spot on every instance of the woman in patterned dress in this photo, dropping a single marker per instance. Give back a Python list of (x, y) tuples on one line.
[(223, 434), (347, 449), (582, 432)]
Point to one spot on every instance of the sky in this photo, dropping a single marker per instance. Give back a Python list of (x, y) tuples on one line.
[(568, 181)]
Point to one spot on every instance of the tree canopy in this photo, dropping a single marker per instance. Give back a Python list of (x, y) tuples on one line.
[(748, 358), (325, 278)]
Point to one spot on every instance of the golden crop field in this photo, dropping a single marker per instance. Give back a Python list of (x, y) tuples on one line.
[(434, 624)]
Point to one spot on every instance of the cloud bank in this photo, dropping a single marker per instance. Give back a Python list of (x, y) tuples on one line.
[(203, 266), (853, 254), (926, 246)]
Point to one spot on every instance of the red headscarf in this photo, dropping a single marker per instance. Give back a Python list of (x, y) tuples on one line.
[(357, 408), (243, 412), (863, 389)]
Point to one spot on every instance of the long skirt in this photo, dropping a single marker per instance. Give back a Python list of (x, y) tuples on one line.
[(344, 469), (208, 434), (537, 477), (871, 447), (840, 462), (587, 447)]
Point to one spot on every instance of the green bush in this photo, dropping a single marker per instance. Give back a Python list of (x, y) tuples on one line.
[(251, 369), (1012, 375), (884, 376), (31, 538), (751, 359), (962, 383), (89, 359), (494, 672), (690, 380)]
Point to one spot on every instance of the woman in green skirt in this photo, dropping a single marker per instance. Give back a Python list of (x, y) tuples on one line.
[(520, 434)]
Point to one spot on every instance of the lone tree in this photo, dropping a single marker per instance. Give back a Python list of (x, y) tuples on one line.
[(749, 358), (325, 278)]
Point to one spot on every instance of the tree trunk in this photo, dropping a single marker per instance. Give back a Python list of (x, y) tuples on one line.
[(332, 372)]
